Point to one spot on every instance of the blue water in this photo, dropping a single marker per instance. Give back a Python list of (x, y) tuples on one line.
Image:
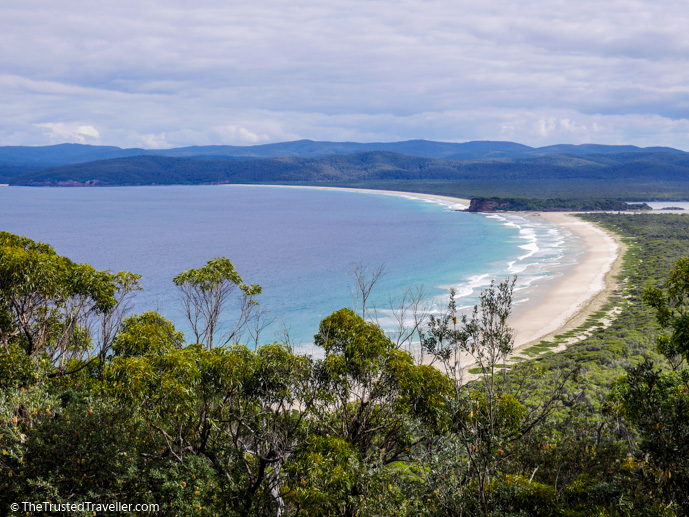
[(298, 244)]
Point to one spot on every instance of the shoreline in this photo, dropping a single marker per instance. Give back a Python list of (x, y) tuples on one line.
[(579, 293), (569, 300), (396, 193)]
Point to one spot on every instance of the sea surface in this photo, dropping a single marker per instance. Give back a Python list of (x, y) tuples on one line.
[(299, 244)]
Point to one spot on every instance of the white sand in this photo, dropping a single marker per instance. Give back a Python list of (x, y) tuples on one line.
[(580, 293), (431, 197)]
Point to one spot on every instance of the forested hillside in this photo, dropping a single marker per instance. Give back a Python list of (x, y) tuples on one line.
[(471, 169), (100, 405), (625, 176), (63, 154)]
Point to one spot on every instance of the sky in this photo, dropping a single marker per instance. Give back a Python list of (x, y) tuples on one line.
[(171, 73)]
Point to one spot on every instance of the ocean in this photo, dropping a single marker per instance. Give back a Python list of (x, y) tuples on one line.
[(299, 244)]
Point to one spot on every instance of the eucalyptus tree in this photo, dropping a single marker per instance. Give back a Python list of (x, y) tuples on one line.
[(365, 278), (205, 293), (55, 308), (491, 415), (374, 406), (654, 402), (242, 413), (58, 321), (672, 313)]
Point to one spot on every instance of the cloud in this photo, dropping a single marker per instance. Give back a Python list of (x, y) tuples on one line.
[(69, 132), (152, 141), (175, 73), (241, 135)]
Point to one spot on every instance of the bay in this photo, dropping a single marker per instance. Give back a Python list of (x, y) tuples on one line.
[(298, 244)]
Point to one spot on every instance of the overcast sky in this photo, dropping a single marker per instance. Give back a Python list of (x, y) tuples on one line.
[(168, 73)]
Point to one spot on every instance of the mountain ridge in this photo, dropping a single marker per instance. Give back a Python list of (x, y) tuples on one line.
[(484, 169), (366, 166), (37, 157)]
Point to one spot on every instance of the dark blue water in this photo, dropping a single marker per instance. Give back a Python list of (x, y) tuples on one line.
[(298, 244)]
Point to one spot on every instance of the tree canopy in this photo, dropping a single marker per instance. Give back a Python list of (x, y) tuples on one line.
[(100, 404)]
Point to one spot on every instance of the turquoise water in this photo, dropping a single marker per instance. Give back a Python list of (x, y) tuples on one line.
[(298, 244)]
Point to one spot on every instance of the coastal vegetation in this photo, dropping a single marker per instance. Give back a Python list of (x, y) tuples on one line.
[(97, 404), (496, 204)]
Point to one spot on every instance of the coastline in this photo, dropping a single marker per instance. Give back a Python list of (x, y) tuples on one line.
[(569, 300), (397, 193), (578, 294)]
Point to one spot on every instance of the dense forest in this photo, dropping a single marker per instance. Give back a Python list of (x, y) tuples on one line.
[(99, 405)]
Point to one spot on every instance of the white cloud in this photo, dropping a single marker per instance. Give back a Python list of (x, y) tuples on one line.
[(170, 72), (152, 141), (240, 135), (69, 132)]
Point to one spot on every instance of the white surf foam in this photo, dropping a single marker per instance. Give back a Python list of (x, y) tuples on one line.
[(549, 249)]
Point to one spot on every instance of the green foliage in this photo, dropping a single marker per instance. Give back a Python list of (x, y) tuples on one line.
[(215, 272), (656, 404), (16, 368), (375, 399), (671, 311), (218, 274), (368, 383), (322, 476), (48, 303), (145, 334), (206, 291), (355, 349), (517, 495), (496, 204), (234, 407)]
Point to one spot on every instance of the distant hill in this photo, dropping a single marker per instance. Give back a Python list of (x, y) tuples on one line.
[(67, 154), (165, 170), (561, 169), (599, 149), (477, 169), (62, 154)]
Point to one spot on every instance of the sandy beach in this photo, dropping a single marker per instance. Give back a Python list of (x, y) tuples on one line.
[(578, 294), (570, 300), (431, 197), (575, 296)]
